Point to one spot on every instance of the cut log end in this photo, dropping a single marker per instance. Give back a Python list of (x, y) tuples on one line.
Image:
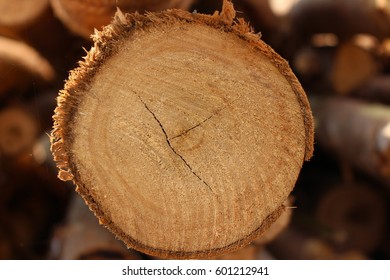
[(358, 213), (184, 132), (21, 13), (18, 130), (20, 65)]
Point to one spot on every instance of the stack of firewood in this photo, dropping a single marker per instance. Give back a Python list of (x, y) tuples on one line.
[(340, 52)]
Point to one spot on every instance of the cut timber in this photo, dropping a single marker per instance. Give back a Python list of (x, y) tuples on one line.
[(340, 19), (356, 132), (375, 90), (20, 66), (83, 16), (357, 212), (34, 23), (185, 133), (21, 124), (313, 66), (343, 18), (353, 66), (18, 130), (83, 238), (20, 14)]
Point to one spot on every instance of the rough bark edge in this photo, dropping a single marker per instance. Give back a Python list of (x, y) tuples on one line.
[(106, 43)]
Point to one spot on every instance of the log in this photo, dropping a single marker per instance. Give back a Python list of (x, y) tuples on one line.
[(353, 66), (19, 15), (357, 213), (83, 16), (376, 89), (356, 132), (18, 131), (23, 121), (313, 66), (82, 238), (343, 18), (21, 67), (199, 149), (34, 23)]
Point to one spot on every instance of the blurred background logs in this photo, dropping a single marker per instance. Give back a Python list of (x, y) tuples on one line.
[(340, 51)]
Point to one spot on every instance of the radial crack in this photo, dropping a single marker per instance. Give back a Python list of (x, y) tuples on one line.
[(205, 120), (191, 128), (170, 145)]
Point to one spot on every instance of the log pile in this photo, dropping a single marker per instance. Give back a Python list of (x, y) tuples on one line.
[(199, 136)]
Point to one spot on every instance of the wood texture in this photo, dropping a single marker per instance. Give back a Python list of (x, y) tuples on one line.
[(188, 147), (83, 16)]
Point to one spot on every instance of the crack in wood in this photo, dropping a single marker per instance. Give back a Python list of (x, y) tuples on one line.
[(191, 128), (205, 120), (170, 145)]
